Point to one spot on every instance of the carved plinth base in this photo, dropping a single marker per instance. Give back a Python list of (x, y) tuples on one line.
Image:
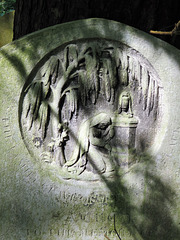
[(124, 139)]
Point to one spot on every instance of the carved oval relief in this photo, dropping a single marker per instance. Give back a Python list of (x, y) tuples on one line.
[(87, 105)]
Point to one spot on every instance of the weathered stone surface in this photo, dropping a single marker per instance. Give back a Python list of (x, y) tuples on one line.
[(89, 134)]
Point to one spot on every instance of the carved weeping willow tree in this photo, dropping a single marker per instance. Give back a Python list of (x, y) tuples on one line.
[(79, 77), (58, 81)]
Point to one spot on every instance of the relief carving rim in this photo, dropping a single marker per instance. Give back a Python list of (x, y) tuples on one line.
[(130, 51)]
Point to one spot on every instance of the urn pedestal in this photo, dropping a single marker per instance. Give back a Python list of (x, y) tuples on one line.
[(124, 140)]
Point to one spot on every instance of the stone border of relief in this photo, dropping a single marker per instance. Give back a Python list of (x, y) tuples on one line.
[(19, 58), (22, 55), (62, 103), (17, 62)]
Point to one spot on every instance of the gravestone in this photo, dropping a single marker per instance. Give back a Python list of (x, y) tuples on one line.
[(90, 134)]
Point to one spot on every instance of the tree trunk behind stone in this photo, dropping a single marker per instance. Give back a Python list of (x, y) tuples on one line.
[(146, 15)]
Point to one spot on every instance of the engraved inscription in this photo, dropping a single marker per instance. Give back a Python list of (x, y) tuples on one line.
[(7, 129), (175, 136), (93, 198), (8, 137), (83, 233)]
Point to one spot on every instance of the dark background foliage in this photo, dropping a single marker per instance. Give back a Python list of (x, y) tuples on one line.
[(6, 6), (145, 15)]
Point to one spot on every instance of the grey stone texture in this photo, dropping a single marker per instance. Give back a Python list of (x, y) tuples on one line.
[(81, 161)]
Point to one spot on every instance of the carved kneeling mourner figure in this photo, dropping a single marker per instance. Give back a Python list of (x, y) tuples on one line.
[(93, 149)]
